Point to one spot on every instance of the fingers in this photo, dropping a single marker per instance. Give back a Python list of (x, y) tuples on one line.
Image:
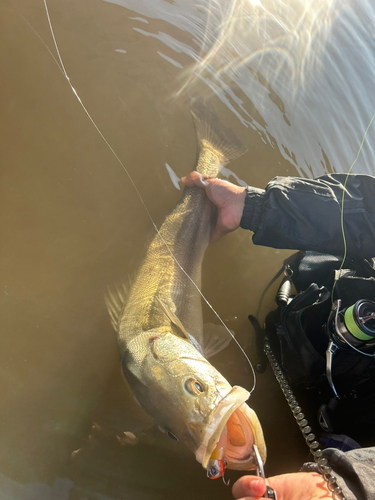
[(297, 486), (250, 487), (195, 179), (228, 198)]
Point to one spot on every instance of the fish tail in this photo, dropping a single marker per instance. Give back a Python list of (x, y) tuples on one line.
[(217, 145)]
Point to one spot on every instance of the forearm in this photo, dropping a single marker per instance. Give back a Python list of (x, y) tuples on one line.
[(305, 214)]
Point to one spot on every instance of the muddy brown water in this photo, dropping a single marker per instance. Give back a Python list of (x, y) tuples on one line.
[(72, 223)]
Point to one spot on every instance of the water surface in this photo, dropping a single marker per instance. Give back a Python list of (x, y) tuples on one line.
[(296, 86)]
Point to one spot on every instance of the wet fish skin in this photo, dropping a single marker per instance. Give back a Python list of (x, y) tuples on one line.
[(169, 377)]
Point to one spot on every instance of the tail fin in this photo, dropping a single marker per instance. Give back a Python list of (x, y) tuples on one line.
[(212, 135)]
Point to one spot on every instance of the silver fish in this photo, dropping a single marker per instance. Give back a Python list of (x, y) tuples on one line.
[(159, 326)]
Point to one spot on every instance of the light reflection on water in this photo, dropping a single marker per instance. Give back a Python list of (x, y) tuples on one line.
[(285, 60), (71, 224)]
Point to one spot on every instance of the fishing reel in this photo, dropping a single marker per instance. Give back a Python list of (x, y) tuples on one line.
[(350, 328), (354, 326)]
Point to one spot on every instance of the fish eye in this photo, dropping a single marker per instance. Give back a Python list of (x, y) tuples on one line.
[(172, 436), (195, 387)]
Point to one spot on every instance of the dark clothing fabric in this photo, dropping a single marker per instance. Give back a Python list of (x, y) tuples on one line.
[(305, 214), (354, 471)]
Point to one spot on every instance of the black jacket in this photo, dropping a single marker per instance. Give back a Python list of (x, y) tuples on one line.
[(305, 214)]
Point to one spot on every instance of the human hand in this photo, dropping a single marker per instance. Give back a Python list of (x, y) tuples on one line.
[(228, 198), (296, 486)]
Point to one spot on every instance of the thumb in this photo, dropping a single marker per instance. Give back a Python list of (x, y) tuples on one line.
[(251, 487), (225, 223), (218, 232)]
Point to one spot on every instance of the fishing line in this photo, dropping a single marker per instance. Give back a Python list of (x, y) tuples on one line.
[(342, 205), (140, 197), (40, 38)]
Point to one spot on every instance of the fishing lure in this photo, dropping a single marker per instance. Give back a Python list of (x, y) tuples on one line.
[(217, 462), (216, 467)]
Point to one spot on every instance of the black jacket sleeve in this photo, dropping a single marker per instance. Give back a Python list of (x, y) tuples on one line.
[(305, 214)]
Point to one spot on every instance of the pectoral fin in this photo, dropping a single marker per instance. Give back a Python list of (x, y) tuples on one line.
[(174, 319), (216, 338)]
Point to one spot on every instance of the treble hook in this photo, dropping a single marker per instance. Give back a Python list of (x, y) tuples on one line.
[(227, 483)]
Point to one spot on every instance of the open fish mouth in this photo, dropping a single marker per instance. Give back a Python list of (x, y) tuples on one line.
[(242, 427)]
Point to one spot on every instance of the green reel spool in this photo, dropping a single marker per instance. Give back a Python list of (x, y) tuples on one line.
[(360, 320)]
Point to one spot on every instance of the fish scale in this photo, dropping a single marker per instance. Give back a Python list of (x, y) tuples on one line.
[(160, 326)]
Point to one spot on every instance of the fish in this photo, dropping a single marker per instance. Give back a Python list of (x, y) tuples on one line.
[(162, 345)]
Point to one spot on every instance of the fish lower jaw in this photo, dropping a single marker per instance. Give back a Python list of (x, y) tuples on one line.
[(241, 425), (239, 451)]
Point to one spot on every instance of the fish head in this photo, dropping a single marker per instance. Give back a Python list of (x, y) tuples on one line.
[(195, 404)]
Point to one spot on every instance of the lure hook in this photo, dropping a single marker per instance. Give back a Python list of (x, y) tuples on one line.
[(227, 483)]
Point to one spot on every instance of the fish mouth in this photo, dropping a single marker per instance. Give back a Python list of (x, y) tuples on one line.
[(242, 427)]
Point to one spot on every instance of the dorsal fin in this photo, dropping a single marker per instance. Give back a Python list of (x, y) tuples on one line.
[(115, 301)]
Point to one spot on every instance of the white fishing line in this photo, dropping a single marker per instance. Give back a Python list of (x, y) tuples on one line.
[(140, 197)]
